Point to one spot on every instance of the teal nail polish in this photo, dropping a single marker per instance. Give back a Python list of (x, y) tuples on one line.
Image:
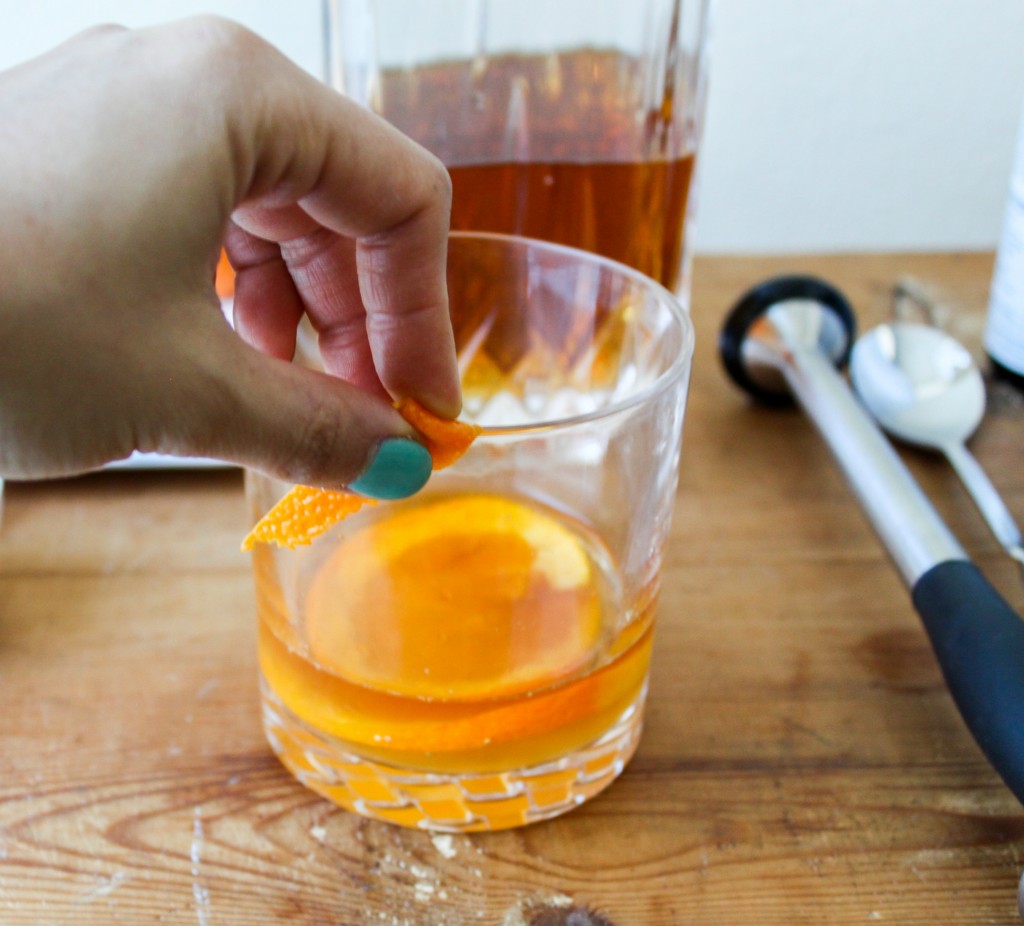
[(398, 468)]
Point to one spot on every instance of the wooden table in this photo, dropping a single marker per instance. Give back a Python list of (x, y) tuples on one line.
[(802, 762)]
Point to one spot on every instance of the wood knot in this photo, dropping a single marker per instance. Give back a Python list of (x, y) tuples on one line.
[(566, 916)]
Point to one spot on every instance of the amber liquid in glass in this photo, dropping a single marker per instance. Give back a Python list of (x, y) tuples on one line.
[(458, 633), (555, 147)]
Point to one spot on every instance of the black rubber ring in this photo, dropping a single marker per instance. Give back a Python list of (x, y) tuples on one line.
[(758, 301)]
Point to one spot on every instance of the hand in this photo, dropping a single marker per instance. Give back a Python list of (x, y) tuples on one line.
[(127, 158)]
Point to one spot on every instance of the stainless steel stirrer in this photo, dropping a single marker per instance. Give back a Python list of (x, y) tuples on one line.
[(783, 341)]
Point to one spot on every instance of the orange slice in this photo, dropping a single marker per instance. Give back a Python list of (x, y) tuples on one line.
[(472, 597), (305, 513)]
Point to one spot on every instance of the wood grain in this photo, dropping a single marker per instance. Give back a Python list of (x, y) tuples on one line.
[(802, 762)]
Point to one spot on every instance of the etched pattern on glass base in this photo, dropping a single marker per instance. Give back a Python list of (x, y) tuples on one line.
[(445, 802)]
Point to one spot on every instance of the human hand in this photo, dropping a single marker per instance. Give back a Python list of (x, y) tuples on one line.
[(126, 159)]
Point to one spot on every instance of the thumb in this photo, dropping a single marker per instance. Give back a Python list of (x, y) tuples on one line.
[(298, 425)]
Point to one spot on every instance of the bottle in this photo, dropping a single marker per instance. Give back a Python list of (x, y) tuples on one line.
[(1004, 327)]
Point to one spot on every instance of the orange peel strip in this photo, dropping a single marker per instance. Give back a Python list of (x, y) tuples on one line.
[(303, 515), (305, 512), (447, 440), (225, 277)]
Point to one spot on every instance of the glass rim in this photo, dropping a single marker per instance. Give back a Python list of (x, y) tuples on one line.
[(662, 383)]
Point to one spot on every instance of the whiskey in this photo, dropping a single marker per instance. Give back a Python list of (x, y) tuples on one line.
[(559, 147)]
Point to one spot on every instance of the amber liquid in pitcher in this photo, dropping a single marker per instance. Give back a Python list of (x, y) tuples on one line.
[(555, 147)]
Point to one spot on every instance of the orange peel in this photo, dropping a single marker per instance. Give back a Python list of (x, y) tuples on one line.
[(446, 439), (225, 277), (305, 512)]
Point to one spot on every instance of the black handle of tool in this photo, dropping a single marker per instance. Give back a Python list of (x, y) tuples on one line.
[(979, 642)]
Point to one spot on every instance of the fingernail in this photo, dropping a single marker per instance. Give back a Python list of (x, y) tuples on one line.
[(398, 468)]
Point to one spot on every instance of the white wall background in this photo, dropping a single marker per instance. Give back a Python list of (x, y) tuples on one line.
[(860, 124), (833, 125)]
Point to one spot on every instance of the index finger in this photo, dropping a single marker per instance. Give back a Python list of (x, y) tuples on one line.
[(356, 175)]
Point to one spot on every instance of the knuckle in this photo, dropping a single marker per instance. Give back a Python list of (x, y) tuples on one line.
[(434, 192), (220, 44), (99, 31), (423, 182), (441, 181), (324, 450)]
